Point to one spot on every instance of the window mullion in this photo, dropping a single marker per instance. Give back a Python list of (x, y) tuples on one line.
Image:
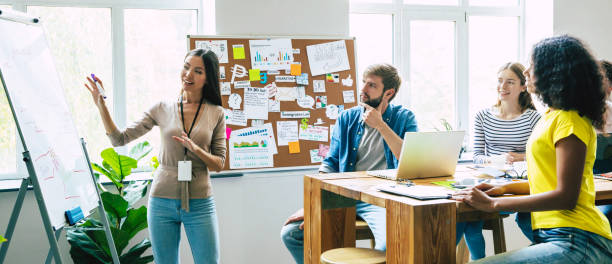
[(119, 74)]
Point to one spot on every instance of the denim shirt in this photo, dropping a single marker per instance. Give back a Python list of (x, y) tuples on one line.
[(348, 131)]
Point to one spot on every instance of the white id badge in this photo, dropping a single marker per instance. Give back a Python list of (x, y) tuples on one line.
[(184, 170)]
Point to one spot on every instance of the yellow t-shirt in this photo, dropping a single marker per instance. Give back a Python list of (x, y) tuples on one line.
[(541, 168)]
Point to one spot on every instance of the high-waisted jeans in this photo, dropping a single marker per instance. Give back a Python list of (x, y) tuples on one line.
[(165, 217)]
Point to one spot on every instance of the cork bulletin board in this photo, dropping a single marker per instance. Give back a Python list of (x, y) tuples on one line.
[(319, 111)]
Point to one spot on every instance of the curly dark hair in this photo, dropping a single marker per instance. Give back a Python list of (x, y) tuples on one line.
[(567, 77), (606, 66)]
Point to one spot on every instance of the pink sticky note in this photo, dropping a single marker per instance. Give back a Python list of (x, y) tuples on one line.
[(228, 132)]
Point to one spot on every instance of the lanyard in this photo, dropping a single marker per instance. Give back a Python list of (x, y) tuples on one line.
[(194, 119)]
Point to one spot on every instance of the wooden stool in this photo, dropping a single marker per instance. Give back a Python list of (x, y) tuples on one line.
[(363, 232), (353, 256), (499, 239)]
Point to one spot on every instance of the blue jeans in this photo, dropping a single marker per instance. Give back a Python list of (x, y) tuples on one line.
[(375, 216), (201, 226), (559, 245), (473, 238), (523, 220)]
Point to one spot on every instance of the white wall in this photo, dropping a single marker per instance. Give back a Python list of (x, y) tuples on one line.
[(282, 17), (588, 20)]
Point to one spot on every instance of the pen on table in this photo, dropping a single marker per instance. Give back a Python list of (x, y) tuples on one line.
[(100, 90)]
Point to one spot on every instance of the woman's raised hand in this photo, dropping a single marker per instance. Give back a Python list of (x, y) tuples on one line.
[(93, 89)]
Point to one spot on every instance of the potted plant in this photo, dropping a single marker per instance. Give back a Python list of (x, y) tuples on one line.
[(87, 240)]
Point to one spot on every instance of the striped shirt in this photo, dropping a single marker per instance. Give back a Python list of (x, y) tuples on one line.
[(496, 136)]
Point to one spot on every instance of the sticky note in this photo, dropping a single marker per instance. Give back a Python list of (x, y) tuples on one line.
[(329, 78), (238, 51), (254, 75), (228, 132), (294, 147), (296, 69)]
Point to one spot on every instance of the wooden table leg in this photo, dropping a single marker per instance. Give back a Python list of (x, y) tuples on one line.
[(329, 221), (420, 234)]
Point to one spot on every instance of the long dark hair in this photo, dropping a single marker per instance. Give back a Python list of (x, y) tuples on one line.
[(212, 90), (567, 77), (524, 99)]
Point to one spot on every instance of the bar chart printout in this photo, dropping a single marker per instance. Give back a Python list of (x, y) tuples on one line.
[(271, 54)]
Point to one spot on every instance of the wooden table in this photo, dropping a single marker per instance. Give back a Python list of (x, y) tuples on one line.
[(417, 231)]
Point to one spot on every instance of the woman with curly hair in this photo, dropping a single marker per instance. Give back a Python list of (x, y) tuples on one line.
[(567, 227)]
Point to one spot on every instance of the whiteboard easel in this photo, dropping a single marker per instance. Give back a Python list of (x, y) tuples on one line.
[(58, 157)]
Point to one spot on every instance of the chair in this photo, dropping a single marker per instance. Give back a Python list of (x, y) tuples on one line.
[(363, 232), (353, 256)]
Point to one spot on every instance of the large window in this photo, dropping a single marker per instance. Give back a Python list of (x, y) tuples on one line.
[(374, 35), (449, 51), (135, 47)]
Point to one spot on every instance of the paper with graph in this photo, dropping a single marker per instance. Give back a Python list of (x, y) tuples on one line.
[(271, 54)]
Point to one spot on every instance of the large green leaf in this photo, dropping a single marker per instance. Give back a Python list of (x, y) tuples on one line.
[(133, 255), (108, 171), (135, 221), (140, 150), (134, 191), (86, 248), (114, 205), (121, 164)]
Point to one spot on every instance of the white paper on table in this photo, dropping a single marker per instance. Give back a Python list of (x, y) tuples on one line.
[(349, 96), (256, 103), (263, 130), (318, 86), (286, 94), (241, 84), (286, 131), (250, 152), (236, 117), (273, 105), (226, 88), (327, 57), (219, 47), (295, 114), (314, 133), (314, 156), (271, 54)]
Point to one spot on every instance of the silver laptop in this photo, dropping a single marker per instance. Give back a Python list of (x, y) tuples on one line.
[(426, 155)]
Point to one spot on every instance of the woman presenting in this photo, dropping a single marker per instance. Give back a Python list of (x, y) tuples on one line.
[(192, 142)]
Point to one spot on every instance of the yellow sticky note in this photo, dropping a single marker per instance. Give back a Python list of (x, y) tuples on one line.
[(238, 52), (294, 147), (254, 75), (296, 69)]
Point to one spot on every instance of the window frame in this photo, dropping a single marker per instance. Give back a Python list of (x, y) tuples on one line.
[(205, 25), (404, 13)]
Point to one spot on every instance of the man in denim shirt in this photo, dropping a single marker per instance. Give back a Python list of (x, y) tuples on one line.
[(366, 137)]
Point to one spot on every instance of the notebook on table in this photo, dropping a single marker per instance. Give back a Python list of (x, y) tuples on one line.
[(419, 192)]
